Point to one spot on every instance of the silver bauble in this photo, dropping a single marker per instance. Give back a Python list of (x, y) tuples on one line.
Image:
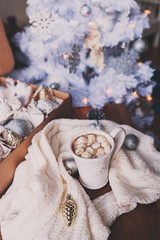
[(55, 85), (99, 126), (139, 45), (92, 125), (131, 142), (119, 100), (70, 166), (20, 126), (85, 10), (46, 106), (123, 45)]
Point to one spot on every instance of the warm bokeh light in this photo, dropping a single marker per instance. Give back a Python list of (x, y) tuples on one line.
[(132, 25), (65, 56), (85, 100), (135, 94), (149, 98), (147, 11), (109, 91), (140, 64)]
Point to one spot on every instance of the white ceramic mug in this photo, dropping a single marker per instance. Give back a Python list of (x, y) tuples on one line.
[(94, 172)]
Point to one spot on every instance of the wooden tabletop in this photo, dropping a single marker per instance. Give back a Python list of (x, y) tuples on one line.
[(142, 223)]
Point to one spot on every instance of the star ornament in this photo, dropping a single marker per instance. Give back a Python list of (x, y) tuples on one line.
[(42, 23)]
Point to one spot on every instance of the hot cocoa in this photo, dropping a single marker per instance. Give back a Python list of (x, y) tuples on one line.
[(91, 146)]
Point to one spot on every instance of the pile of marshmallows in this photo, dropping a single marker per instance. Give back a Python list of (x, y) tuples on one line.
[(91, 146)]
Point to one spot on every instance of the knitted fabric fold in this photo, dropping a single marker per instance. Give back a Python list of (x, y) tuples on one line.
[(32, 206)]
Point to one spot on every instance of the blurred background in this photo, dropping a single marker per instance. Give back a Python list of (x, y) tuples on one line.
[(14, 8), (13, 14)]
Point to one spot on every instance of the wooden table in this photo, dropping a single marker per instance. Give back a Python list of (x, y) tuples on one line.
[(142, 223)]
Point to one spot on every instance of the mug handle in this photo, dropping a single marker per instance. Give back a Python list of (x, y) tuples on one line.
[(118, 134)]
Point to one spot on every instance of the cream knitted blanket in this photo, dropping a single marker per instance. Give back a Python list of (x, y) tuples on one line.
[(32, 207)]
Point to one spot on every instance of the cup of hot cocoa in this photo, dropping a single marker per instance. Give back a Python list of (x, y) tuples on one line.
[(93, 151)]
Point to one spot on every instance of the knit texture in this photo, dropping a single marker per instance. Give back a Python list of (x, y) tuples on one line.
[(32, 206)]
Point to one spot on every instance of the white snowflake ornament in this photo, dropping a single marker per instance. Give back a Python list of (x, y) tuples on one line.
[(42, 23)]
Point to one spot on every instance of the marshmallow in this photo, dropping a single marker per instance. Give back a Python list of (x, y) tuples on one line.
[(79, 151), (90, 150), (106, 145), (81, 140), (95, 145), (86, 155), (91, 139), (100, 152), (81, 145), (101, 139)]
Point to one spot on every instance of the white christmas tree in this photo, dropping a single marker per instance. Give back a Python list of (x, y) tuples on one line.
[(89, 48)]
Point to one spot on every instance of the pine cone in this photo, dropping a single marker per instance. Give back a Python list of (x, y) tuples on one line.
[(95, 114)]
